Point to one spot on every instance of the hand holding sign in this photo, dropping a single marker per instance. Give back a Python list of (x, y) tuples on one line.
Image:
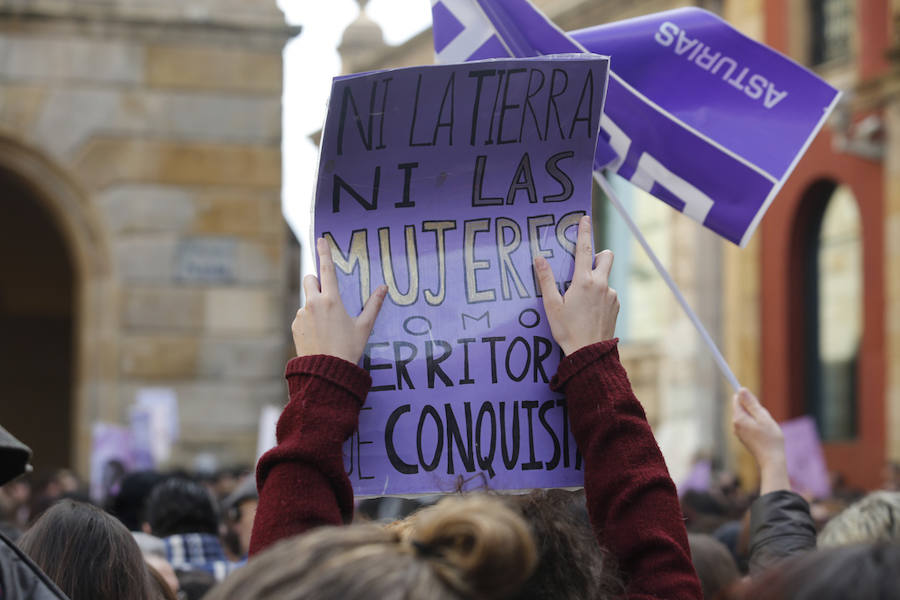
[(323, 326), (587, 313)]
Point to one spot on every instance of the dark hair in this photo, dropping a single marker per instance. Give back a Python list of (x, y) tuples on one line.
[(714, 564), (129, 505), (194, 585), (570, 563), (866, 572), (179, 505), (87, 553)]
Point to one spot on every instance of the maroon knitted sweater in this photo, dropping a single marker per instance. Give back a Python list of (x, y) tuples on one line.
[(631, 499)]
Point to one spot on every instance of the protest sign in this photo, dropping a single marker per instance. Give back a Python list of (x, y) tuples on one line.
[(155, 425), (444, 183), (699, 115), (111, 458), (806, 465), (268, 423)]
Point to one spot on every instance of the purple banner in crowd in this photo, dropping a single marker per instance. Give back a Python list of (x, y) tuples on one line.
[(699, 115), (444, 183), (805, 457)]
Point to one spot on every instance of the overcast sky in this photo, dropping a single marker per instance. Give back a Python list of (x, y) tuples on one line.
[(311, 60)]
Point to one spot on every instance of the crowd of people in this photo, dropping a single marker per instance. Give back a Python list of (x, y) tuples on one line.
[(292, 530)]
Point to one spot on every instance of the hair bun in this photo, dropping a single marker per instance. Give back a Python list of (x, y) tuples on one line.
[(476, 544)]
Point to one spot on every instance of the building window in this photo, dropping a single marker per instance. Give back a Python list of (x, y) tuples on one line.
[(834, 321), (832, 30)]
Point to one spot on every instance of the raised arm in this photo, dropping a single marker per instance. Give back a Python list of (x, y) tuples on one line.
[(631, 499), (780, 523), (302, 482)]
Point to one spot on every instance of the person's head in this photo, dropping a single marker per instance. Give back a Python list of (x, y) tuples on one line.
[(87, 553), (863, 572), (875, 518), (473, 547), (240, 507), (714, 564), (130, 503), (570, 563), (179, 505)]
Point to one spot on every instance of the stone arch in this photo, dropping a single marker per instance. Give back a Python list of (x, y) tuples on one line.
[(785, 236), (94, 315)]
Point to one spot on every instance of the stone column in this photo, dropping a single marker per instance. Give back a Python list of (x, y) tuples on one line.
[(362, 39)]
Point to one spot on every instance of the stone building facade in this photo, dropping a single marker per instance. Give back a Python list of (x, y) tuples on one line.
[(142, 242), (808, 314)]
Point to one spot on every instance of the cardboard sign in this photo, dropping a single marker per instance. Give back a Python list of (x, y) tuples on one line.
[(444, 183)]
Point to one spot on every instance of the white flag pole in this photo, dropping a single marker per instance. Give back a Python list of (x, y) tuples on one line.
[(720, 360)]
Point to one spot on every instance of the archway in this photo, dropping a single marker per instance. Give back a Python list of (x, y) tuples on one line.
[(790, 308), (37, 296), (61, 211)]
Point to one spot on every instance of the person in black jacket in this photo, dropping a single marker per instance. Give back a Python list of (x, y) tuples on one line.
[(20, 578)]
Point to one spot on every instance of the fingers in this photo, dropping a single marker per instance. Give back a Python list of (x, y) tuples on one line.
[(603, 263), (310, 286), (749, 403), (546, 281), (583, 253), (373, 305), (326, 267)]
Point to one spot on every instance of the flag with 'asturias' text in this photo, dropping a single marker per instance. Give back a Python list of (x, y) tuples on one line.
[(697, 114)]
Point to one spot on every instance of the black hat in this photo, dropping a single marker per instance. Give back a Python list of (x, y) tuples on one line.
[(14, 457)]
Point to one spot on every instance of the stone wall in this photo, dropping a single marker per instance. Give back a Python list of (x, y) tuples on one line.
[(166, 117)]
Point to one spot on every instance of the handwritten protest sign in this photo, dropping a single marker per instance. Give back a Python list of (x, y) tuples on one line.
[(444, 183)]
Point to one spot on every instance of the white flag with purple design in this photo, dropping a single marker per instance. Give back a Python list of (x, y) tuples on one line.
[(697, 114)]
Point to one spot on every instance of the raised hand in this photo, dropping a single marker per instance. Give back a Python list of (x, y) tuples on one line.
[(323, 325), (587, 313), (762, 436)]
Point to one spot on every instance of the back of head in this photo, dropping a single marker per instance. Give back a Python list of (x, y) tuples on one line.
[(570, 563), (129, 504), (875, 518), (87, 553), (863, 572), (179, 505), (473, 547), (714, 564)]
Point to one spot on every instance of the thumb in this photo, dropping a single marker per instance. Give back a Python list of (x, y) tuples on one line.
[(373, 305)]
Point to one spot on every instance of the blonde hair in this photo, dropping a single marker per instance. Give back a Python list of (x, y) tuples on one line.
[(473, 547), (875, 518)]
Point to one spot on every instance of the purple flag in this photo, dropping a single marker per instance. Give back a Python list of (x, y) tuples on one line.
[(697, 114), (444, 183)]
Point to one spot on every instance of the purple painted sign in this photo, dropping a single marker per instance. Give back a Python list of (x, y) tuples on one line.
[(805, 458), (444, 183), (697, 114)]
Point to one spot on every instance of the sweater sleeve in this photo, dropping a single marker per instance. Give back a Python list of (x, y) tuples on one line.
[(302, 481), (632, 501)]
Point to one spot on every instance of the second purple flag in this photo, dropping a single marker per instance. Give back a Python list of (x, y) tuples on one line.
[(697, 114)]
